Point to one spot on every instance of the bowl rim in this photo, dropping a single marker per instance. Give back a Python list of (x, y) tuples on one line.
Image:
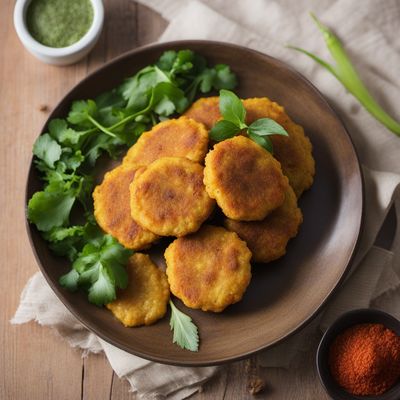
[(32, 44), (343, 322), (222, 360)]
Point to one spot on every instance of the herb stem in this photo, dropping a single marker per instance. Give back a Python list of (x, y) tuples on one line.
[(101, 127), (345, 72)]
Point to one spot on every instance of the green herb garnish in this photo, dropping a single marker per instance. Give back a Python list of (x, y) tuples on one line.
[(100, 268), (66, 154), (234, 117), (185, 331), (345, 73)]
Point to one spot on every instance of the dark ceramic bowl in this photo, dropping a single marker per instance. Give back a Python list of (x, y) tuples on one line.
[(346, 321), (283, 295)]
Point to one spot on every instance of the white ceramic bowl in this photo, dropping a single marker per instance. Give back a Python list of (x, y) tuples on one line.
[(63, 55)]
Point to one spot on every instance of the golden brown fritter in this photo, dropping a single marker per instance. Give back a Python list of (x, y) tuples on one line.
[(205, 110), (168, 197), (209, 269), (294, 152), (145, 299), (112, 209), (246, 181), (182, 137), (268, 239)]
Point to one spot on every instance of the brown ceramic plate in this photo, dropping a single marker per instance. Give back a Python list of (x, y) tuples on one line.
[(282, 296)]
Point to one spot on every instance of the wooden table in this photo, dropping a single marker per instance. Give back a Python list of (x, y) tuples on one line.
[(35, 363)]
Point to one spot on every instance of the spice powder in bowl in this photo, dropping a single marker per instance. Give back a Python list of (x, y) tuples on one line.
[(365, 359)]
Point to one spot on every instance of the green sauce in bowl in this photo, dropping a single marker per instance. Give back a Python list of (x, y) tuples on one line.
[(59, 23)]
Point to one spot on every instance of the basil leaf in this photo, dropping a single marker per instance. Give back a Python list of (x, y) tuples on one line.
[(263, 141), (223, 130), (232, 108), (265, 127)]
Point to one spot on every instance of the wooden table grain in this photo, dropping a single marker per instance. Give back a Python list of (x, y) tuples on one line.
[(35, 363)]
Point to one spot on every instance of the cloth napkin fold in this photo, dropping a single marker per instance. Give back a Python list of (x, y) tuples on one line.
[(150, 380), (370, 36)]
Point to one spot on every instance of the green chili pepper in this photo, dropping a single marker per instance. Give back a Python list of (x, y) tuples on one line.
[(345, 73)]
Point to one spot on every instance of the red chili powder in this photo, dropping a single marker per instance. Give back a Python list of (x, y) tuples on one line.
[(365, 359)]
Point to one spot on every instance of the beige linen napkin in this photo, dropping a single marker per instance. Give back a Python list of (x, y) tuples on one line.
[(370, 34)]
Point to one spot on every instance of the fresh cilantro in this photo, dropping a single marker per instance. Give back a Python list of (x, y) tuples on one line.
[(66, 154), (65, 135), (47, 150), (234, 117), (81, 113), (70, 280), (100, 268), (185, 332), (66, 241), (51, 207)]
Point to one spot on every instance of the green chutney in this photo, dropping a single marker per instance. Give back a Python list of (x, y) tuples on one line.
[(59, 23)]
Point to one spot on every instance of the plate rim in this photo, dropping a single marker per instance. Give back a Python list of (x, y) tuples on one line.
[(219, 360)]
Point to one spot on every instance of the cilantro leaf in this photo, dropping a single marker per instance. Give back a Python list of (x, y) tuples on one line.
[(66, 241), (100, 266), (167, 60), (267, 126), (51, 207), (47, 150), (66, 155), (183, 62), (224, 78), (102, 291), (66, 136), (137, 90), (223, 130), (109, 106), (71, 160), (70, 280), (80, 112), (167, 98), (100, 143), (232, 108), (185, 331)]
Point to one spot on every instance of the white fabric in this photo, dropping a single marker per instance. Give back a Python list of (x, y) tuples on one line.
[(149, 379), (370, 33)]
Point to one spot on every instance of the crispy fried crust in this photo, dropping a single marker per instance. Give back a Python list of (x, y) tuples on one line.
[(145, 299), (182, 137), (210, 269), (293, 152), (168, 197), (246, 181), (268, 239), (112, 209), (205, 110)]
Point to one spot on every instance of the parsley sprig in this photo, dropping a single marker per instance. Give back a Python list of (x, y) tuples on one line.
[(234, 117), (99, 268), (185, 333), (66, 154)]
